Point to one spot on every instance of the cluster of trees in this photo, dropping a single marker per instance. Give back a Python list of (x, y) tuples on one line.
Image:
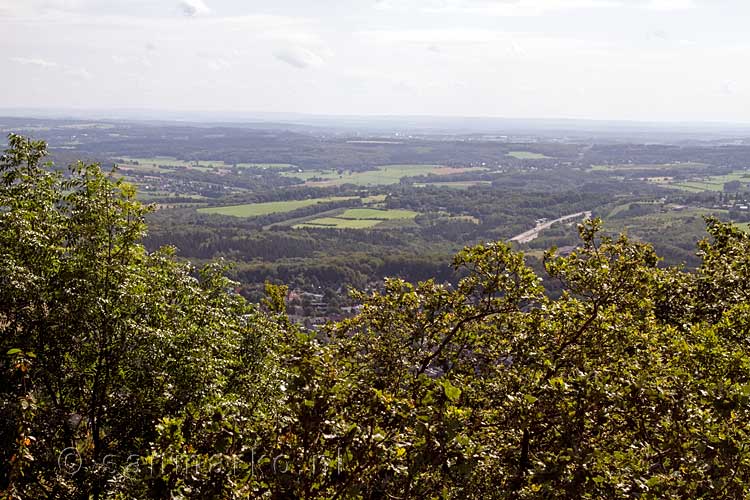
[(335, 258), (306, 147), (731, 157), (129, 374)]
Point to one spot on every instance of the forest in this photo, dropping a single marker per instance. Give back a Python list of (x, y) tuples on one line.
[(129, 372)]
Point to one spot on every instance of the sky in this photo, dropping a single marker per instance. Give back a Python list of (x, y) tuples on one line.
[(652, 60)]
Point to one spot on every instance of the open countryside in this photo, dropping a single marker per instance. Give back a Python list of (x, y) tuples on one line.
[(715, 183), (359, 218), (258, 209), (527, 155), (169, 164), (646, 166), (437, 249), (383, 175)]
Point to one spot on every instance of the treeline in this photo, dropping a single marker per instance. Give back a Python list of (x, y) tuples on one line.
[(448, 220), (129, 374), (355, 269), (306, 148), (732, 157)]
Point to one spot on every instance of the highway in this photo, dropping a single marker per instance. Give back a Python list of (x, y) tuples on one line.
[(533, 234)]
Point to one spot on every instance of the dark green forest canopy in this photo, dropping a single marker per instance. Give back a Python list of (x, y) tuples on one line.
[(131, 374)]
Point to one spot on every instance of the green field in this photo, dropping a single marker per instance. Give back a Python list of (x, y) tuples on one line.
[(374, 199), (645, 166), (258, 209), (375, 214), (169, 163), (456, 184), (387, 174), (359, 218), (653, 226), (338, 223), (265, 166), (696, 187), (710, 183), (527, 155)]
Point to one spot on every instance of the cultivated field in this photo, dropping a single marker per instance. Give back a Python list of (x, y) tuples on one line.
[(258, 209), (375, 214), (359, 218), (646, 166), (338, 223), (455, 185), (709, 183), (528, 155), (387, 174), (648, 227), (170, 164)]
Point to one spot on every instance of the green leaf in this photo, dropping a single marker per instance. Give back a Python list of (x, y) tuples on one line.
[(452, 392)]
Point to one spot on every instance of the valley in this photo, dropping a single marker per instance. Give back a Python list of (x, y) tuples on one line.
[(324, 211)]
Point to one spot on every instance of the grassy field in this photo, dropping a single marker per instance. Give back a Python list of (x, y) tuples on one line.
[(456, 184), (374, 199), (359, 218), (257, 209), (375, 214), (528, 155), (265, 166), (645, 166), (387, 174), (697, 187), (339, 223), (711, 183), (169, 164), (661, 223)]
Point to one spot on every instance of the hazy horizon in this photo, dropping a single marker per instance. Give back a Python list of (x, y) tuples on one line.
[(671, 61)]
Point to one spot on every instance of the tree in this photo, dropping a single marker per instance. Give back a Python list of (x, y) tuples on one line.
[(634, 382), (104, 338), (624, 387)]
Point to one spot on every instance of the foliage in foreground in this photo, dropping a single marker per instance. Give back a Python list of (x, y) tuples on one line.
[(158, 382)]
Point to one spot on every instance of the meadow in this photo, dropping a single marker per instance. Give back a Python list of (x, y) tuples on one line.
[(384, 175), (645, 166), (654, 227), (455, 184), (258, 209), (359, 218), (377, 214), (167, 164), (710, 183), (528, 155)]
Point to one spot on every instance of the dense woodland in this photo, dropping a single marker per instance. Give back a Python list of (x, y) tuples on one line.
[(129, 373)]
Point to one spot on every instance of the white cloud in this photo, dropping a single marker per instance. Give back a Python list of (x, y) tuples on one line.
[(501, 8), (36, 7), (193, 8), (397, 56), (521, 8), (78, 73), (670, 5), (33, 61), (72, 71), (299, 57), (516, 43), (218, 64), (728, 88)]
